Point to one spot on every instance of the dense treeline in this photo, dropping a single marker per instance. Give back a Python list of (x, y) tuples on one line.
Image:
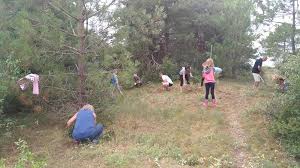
[(76, 44), (187, 32)]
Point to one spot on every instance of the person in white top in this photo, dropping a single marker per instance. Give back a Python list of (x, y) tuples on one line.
[(166, 81), (184, 75)]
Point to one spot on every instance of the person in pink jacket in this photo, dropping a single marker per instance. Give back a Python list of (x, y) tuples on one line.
[(208, 75)]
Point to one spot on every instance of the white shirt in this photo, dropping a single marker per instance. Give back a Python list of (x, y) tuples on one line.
[(166, 78), (182, 71)]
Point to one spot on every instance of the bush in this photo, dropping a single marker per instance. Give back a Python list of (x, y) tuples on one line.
[(169, 68), (151, 74), (26, 157), (286, 108)]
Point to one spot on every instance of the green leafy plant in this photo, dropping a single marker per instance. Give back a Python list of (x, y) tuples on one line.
[(285, 108), (26, 157)]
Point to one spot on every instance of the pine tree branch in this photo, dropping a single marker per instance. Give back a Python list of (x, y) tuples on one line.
[(59, 29), (63, 11), (72, 48), (106, 7)]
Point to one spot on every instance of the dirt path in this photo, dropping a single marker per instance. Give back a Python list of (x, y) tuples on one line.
[(236, 103)]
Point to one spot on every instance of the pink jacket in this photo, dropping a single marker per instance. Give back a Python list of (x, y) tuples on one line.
[(209, 76)]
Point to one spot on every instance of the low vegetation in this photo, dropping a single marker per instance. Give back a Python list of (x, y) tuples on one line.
[(152, 128)]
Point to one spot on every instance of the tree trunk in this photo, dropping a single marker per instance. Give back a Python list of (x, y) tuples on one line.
[(294, 29), (200, 42), (233, 72), (81, 54), (284, 46)]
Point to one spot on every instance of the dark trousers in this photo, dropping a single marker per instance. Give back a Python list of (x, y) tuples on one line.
[(187, 78), (210, 87)]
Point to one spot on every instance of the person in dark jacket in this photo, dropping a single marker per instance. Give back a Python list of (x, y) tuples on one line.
[(256, 71)]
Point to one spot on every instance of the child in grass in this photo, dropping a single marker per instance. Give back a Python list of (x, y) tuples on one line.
[(208, 76), (137, 80), (282, 83), (86, 128), (166, 81), (184, 75), (115, 82)]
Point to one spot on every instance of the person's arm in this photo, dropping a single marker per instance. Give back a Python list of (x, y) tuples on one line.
[(71, 120), (117, 80), (203, 78), (184, 80), (259, 66), (94, 114), (217, 70), (202, 81)]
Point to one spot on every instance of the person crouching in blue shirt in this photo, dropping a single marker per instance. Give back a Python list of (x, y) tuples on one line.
[(85, 128)]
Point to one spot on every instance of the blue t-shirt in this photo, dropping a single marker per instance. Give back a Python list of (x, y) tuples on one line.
[(84, 125), (114, 80)]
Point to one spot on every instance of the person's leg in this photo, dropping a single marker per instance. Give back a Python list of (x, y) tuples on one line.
[(256, 84), (212, 90), (213, 94), (187, 78), (119, 89), (169, 86), (181, 82), (257, 79), (207, 87), (97, 133), (113, 87), (165, 85)]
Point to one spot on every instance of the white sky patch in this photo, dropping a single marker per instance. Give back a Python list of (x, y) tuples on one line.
[(101, 24), (263, 31)]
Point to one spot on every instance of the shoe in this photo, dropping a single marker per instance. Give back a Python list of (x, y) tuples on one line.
[(76, 142), (95, 141), (205, 103), (214, 103)]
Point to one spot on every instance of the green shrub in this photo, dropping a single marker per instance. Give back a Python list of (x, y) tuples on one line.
[(285, 110), (25, 158), (169, 68)]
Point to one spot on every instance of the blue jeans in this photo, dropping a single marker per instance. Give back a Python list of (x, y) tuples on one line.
[(95, 134)]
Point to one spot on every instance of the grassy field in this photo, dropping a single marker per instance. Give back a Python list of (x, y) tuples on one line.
[(152, 128)]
